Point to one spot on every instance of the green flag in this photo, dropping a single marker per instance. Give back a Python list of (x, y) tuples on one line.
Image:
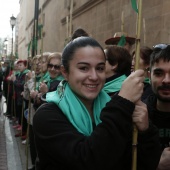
[(16, 55), (29, 45), (34, 44), (40, 30), (134, 5), (122, 41)]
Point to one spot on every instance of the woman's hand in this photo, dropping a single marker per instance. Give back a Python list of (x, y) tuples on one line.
[(43, 88), (132, 87), (140, 116), (33, 94)]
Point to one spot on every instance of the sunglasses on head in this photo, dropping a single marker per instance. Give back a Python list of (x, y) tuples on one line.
[(56, 67), (161, 46)]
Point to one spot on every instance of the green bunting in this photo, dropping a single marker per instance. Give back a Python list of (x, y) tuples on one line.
[(16, 55), (29, 46), (134, 5), (40, 30), (34, 44), (122, 41)]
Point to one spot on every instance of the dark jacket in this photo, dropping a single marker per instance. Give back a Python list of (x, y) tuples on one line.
[(147, 90), (160, 119), (19, 87), (61, 147)]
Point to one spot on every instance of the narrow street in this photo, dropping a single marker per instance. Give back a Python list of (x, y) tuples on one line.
[(12, 151)]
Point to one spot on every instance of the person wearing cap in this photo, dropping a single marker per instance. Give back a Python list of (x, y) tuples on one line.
[(121, 39), (6, 68), (1, 77), (19, 88)]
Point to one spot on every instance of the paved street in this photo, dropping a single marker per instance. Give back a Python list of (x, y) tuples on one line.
[(3, 152), (12, 151)]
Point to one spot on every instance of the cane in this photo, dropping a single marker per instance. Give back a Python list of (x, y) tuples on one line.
[(34, 51), (137, 57)]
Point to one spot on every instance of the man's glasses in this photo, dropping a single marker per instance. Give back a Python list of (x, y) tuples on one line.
[(56, 67), (161, 46)]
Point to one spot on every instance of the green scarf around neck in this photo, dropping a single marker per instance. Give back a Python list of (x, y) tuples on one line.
[(114, 85), (44, 78), (75, 110), (17, 73), (24, 72), (60, 77)]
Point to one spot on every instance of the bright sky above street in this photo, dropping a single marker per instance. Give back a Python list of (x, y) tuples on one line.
[(7, 9)]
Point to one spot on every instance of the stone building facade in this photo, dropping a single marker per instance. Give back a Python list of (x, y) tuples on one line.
[(100, 18)]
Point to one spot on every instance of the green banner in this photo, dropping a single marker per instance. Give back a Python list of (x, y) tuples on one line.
[(134, 5)]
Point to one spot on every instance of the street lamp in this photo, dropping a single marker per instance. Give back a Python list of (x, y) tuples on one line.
[(12, 22)]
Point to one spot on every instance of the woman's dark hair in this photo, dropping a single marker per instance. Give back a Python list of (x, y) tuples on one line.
[(145, 53), (120, 56), (72, 46), (78, 33), (159, 54)]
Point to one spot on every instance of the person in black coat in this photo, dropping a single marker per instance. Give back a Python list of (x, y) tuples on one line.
[(1, 78), (159, 102), (6, 70)]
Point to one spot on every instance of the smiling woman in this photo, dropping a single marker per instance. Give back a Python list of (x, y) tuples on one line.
[(54, 65), (82, 127)]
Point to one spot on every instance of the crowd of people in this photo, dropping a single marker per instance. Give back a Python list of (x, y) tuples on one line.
[(77, 108)]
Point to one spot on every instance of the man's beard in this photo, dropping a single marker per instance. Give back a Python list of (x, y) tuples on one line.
[(161, 98)]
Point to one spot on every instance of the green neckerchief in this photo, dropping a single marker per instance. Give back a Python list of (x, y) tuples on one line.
[(44, 78), (24, 72), (74, 109), (147, 80), (38, 77), (114, 85), (60, 77), (17, 72)]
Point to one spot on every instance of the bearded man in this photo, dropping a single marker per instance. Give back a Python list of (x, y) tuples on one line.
[(159, 103)]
